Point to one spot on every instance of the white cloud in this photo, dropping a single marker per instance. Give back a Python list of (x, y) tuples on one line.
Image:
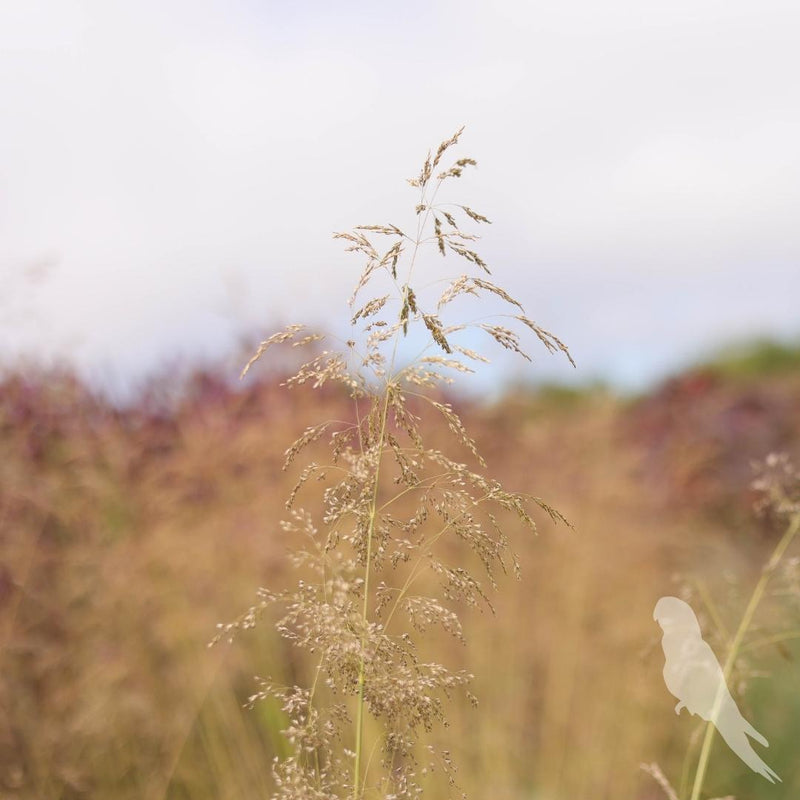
[(639, 159)]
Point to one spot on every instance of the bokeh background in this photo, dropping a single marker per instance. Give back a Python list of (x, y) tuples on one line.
[(170, 175)]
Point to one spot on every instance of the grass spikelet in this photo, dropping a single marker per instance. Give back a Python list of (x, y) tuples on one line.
[(311, 434), (435, 327), (549, 340), (437, 232), (475, 215), (371, 308), (505, 338), (469, 255), (277, 338)]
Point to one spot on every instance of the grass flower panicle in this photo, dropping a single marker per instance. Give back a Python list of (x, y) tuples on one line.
[(403, 535)]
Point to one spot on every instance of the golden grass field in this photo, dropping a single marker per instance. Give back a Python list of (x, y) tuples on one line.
[(127, 535)]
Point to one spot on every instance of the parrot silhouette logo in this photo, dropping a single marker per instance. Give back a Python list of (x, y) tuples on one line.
[(693, 675)]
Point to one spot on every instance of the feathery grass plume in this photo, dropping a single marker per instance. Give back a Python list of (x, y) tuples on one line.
[(402, 534)]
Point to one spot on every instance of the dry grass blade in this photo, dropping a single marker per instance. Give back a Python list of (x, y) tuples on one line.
[(655, 772)]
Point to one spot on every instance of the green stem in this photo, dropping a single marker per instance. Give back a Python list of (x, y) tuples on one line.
[(777, 638), (391, 378), (357, 786), (744, 625), (365, 608)]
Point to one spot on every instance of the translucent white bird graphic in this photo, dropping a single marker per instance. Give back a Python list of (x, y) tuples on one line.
[(693, 675)]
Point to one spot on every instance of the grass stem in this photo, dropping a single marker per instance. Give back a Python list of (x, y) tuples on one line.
[(733, 652)]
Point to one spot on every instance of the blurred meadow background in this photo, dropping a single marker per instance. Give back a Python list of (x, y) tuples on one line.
[(170, 174)]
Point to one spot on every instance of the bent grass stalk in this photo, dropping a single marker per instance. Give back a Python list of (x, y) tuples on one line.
[(361, 652), (779, 484), (738, 638)]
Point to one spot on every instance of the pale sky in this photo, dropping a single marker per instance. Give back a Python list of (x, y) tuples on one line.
[(172, 171)]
